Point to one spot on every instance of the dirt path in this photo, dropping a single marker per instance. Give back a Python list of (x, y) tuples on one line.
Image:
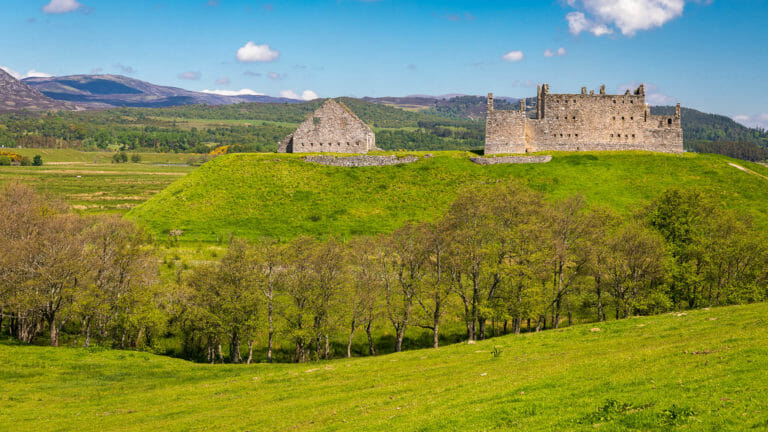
[(746, 170)]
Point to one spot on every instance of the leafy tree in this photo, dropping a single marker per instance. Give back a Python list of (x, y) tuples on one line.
[(37, 160)]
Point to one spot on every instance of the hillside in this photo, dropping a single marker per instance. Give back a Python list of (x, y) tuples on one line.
[(253, 195), (104, 91), (16, 95), (703, 370)]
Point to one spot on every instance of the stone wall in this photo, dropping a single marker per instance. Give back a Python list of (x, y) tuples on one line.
[(332, 128), (582, 122), (511, 160), (360, 161)]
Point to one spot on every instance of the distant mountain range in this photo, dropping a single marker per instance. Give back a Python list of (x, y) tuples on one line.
[(107, 91), (15, 95)]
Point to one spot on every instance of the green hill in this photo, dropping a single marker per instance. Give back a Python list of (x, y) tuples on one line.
[(704, 370), (253, 195)]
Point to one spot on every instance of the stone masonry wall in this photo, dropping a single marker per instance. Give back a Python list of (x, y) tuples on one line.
[(332, 128), (360, 161), (511, 160), (582, 122)]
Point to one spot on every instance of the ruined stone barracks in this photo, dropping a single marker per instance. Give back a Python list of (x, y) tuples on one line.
[(582, 122), (331, 128)]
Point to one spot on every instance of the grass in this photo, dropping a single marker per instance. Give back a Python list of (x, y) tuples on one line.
[(71, 156), (253, 195), (700, 371), (91, 184)]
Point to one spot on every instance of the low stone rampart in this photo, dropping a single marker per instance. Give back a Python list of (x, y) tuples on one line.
[(360, 161), (511, 160)]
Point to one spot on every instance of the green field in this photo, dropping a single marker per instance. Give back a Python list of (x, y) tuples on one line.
[(253, 195), (91, 183), (700, 371)]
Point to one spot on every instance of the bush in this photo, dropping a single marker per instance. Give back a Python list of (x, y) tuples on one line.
[(37, 160), (25, 161), (135, 158), (5, 161), (121, 157)]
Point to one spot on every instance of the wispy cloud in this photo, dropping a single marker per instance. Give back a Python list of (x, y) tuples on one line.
[(222, 81), (306, 95), (252, 73), (251, 52), (190, 75), (125, 69), (61, 6), (276, 76), (559, 52), (241, 92), (513, 56), (753, 120), (30, 73)]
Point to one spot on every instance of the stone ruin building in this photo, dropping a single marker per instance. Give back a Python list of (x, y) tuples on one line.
[(331, 128), (582, 122)]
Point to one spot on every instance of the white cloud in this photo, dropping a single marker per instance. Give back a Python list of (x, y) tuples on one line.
[(306, 95), (513, 56), (275, 76), (30, 74), (241, 92), (753, 121), (599, 17), (61, 6), (560, 52), (251, 52), (190, 75)]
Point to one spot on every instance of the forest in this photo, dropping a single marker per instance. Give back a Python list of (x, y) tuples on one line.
[(502, 260)]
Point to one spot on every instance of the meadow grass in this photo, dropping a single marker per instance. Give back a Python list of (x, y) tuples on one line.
[(696, 371), (254, 195), (71, 156), (96, 188)]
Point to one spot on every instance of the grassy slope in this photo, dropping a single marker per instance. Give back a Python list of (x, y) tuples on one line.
[(252, 195), (706, 368)]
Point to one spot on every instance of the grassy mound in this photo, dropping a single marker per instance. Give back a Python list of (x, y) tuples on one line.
[(253, 195), (703, 370)]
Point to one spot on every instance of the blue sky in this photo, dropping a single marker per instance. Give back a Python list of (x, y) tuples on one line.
[(706, 54)]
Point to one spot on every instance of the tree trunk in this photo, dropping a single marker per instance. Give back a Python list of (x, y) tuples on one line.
[(234, 353), (87, 333), (250, 352), (517, 324), (54, 333), (540, 323), (371, 349), (221, 353), (349, 341), (138, 338), (327, 354), (570, 316), (399, 338), (271, 331), (435, 326)]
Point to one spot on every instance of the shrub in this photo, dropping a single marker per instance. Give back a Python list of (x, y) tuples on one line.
[(25, 161), (121, 157), (135, 158), (5, 161), (37, 160)]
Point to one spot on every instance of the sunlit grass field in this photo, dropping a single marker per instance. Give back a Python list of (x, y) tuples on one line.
[(90, 183), (696, 371), (254, 195)]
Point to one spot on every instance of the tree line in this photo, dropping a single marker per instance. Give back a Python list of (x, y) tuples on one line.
[(503, 259)]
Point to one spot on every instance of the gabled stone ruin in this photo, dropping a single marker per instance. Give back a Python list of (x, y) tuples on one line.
[(331, 128), (582, 122)]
